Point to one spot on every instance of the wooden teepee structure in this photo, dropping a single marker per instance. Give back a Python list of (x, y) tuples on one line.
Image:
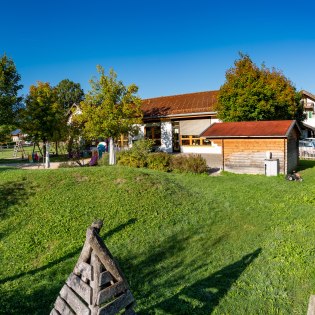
[(97, 285)]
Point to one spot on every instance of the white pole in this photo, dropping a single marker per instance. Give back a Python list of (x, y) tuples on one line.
[(47, 161), (111, 152)]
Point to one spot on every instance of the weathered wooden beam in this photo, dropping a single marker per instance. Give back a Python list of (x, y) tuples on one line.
[(74, 301), (83, 269), (105, 256), (62, 307), (54, 312), (97, 269), (117, 305), (111, 291), (80, 287), (105, 278)]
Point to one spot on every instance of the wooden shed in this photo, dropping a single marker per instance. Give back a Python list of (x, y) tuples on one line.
[(246, 145)]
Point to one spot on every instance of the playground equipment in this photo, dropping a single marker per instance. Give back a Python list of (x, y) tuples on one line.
[(19, 148)]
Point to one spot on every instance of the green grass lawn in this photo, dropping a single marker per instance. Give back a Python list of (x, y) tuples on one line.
[(6, 155), (188, 244)]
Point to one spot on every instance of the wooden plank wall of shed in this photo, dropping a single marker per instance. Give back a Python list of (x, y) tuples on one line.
[(247, 156)]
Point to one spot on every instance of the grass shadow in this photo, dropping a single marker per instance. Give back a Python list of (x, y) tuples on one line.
[(203, 296), (13, 193), (305, 164), (67, 256), (38, 302)]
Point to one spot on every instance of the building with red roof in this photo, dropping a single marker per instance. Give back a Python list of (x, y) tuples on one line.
[(175, 122), (247, 145)]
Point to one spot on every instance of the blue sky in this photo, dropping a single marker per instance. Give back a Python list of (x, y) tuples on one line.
[(165, 47)]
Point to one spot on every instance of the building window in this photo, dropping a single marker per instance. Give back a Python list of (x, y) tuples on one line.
[(310, 114), (194, 140), (153, 131), (123, 141)]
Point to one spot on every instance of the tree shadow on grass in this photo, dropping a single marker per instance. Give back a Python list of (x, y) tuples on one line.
[(13, 193), (68, 256), (162, 272), (37, 302), (203, 296), (305, 164)]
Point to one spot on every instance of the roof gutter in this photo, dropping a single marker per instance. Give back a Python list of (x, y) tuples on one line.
[(244, 137), (182, 115)]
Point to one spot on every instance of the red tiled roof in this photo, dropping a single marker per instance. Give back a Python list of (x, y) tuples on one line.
[(274, 128), (180, 104)]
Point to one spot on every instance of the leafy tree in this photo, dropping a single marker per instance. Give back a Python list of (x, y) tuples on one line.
[(253, 93), (43, 118), (69, 93), (10, 102), (110, 109)]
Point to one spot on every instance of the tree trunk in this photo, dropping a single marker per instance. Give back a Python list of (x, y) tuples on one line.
[(56, 148), (112, 155)]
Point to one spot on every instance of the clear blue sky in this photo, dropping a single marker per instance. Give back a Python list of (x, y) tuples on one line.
[(166, 47)]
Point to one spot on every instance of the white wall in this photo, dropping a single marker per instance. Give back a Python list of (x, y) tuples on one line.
[(200, 149), (309, 121), (166, 136)]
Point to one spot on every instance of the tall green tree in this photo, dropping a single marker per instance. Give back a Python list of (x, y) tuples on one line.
[(110, 109), (252, 93), (68, 93), (42, 118), (10, 102)]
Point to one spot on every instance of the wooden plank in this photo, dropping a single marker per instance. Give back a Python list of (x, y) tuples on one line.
[(62, 307), (97, 269), (105, 278), (86, 250), (105, 256), (311, 306), (54, 312), (111, 291), (74, 301), (83, 269), (80, 287), (120, 303)]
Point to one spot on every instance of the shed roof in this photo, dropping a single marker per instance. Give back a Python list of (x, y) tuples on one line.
[(201, 102), (247, 129)]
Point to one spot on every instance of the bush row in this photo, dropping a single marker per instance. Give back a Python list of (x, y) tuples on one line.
[(140, 155)]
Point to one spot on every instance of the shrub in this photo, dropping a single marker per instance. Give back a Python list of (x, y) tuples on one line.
[(104, 161), (159, 161), (126, 158), (137, 155), (193, 163)]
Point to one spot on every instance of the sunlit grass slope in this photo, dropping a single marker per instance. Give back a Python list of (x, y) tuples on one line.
[(188, 244)]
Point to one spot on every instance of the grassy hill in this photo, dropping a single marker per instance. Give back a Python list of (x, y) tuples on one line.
[(188, 244)]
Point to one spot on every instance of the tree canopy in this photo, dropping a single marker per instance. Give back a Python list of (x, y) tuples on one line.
[(69, 93), (42, 118), (252, 93), (10, 102), (110, 109)]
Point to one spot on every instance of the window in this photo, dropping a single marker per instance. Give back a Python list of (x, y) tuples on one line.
[(153, 131), (194, 140), (122, 141), (310, 114)]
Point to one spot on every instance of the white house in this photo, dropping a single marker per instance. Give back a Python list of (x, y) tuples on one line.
[(308, 100)]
